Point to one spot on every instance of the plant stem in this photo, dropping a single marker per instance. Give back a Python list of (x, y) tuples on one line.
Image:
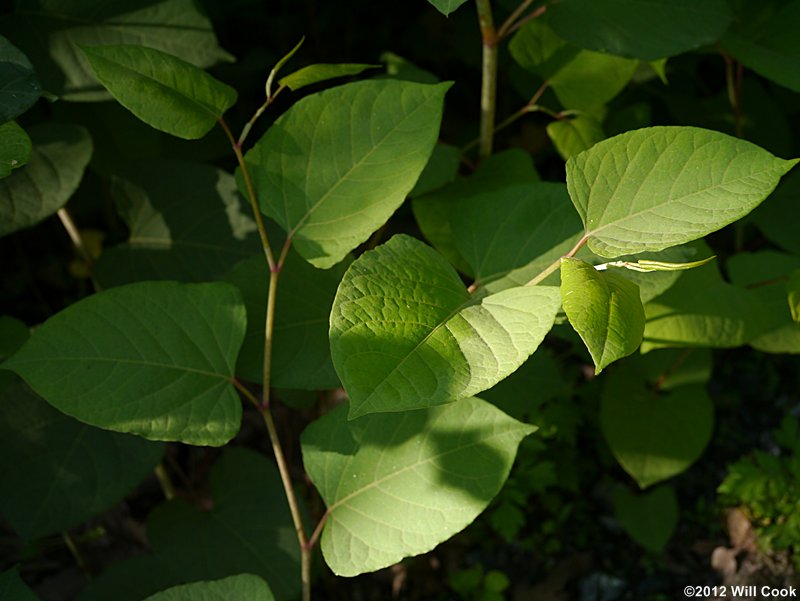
[(251, 194), (733, 80), (488, 77), (514, 21), (75, 235), (557, 263), (76, 553), (249, 125), (164, 480)]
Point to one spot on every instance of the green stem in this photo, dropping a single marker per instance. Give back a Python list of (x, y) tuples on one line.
[(76, 554), (164, 480), (75, 235), (557, 263), (249, 125), (488, 77)]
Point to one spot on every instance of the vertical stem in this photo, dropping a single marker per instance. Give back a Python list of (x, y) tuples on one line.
[(75, 235), (164, 480), (488, 77), (76, 553)]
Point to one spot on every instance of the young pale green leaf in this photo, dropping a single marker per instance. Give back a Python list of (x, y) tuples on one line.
[(767, 275), (50, 32), (301, 353), (154, 359), (649, 518), (772, 48), (405, 333), (19, 88), (246, 528), (605, 310), (244, 587), (793, 295), (649, 265), (55, 168), (398, 485), (573, 136), (164, 91), (13, 334), (446, 6), (322, 72), (58, 472), (657, 187), (654, 435), (12, 588), (646, 30), (336, 165), (581, 79), (434, 212), (170, 238), (15, 148), (702, 310)]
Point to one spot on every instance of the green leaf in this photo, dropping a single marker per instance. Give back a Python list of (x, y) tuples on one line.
[(301, 355), (401, 68), (164, 91), (54, 170), (441, 169), (58, 472), (245, 528), (398, 485), (171, 239), (321, 72), (446, 6), (702, 310), (50, 32), (434, 212), (154, 359), (405, 333), (605, 310), (767, 275), (772, 48), (646, 30), (654, 435), (649, 518), (770, 217), (657, 187), (12, 588), (793, 295), (15, 148), (244, 587), (336, 165), (573, 136), (581, 79), (19, 88), (13, 334)]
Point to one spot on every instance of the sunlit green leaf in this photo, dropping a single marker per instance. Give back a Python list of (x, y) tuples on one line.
[(446, 6), (154, 359), (321, 72), (164, 91), (54, 170), (405, 333), (604, 308), (398, 485), (244, 587), (573, 136), (337, 164), (657, 187)]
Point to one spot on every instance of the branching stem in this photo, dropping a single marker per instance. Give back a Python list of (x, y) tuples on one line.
[(557, 263)]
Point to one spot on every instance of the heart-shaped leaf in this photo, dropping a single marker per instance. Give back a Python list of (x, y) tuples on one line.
[(657, 187), (154, 359), (605, 310), (335, 166), (398, 485), (649, 518), (405, 333), (163, 90)]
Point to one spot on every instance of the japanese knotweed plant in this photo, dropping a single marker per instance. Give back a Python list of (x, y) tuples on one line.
[(280, 302)]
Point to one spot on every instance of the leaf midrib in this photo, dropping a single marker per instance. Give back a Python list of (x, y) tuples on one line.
[(74, 359)]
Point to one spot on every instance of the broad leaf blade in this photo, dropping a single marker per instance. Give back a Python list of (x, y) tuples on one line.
[(646, 30), (19, 89), (649, 518), (405, 333), (154, 359), (653, 435), (59, 472), (657, 187), (164, 91), (335, 166), (398, 485), (50, 32), (301, 355), (573, 136), (170, 238), (55, 168), (15, 148), (440, 170), (446, 6), (321, 72), (244, 587), (604, 308), (13, 334)]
